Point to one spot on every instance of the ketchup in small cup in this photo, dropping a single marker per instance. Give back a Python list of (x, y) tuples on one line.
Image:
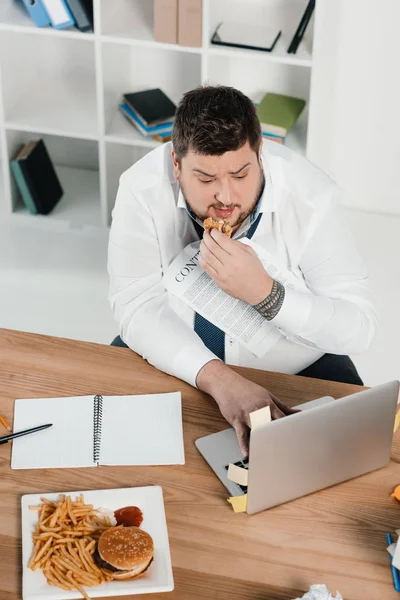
[(129, 516)]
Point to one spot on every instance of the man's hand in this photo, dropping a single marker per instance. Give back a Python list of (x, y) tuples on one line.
[(234, 267), (237, 397)]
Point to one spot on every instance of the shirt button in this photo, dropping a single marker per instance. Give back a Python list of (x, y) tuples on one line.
[(231, 342)]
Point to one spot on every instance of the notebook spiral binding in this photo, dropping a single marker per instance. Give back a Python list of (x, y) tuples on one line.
[(97, 423)]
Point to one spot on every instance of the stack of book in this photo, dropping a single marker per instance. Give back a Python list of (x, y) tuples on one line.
[(278, 114), (36, 178), (61, 14), (151, 112)]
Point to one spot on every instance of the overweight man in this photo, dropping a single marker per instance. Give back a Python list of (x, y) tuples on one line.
[(219, 166)]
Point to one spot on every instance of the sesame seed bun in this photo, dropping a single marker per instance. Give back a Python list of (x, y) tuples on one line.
[(127, 550)]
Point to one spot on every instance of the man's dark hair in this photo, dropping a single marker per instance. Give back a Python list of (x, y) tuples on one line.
[(212, 120)]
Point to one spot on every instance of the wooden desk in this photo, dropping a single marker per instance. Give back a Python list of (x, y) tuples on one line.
[(336, 536)]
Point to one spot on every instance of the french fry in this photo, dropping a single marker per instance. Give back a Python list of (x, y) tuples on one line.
[(69, 564), (51, 529), (74, 557), (48, 502), (54, 518), (44, 559), (48, 534), (79, 576), (86, 559), (64, 543), (91, 544), (60, 576), (53, 580), (43, 549), (33, 557), (78, 587), (70, 511)]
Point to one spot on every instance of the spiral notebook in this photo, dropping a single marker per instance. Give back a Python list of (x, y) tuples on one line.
[(89, 431)]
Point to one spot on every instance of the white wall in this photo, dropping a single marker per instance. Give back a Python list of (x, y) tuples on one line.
[(355, 128)]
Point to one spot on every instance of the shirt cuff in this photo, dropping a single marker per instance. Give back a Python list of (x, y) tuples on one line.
[(190, 360), (295, 311)]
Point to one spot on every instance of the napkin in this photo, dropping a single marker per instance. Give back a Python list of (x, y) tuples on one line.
[(319, 592)]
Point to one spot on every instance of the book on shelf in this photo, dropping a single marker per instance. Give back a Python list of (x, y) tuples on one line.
[(273, 138), (37, 13), (278, 113), (166, 21), (82, 13), (61, 14), (23, 187), (132, 117), (301, 29), (152, 107), (36, 178), (249, 37), (190, 28), (163, 137)]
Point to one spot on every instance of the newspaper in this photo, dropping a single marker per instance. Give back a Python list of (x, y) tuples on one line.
[(186, 279)]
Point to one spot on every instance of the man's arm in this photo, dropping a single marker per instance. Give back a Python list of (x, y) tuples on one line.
[(338, 315), (237, 397), (138, 299), (272, 304)]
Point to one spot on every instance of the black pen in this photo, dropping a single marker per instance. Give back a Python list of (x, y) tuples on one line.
[(12, 436)]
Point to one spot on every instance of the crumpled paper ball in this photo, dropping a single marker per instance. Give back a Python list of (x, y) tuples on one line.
[(319, 592)]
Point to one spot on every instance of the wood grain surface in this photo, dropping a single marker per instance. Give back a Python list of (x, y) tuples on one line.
[(336, 536)]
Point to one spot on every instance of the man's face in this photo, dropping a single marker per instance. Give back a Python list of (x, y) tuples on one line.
[(222, 187)]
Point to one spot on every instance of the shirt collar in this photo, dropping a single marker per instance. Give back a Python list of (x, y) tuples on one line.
[(266, 203), (181, 200)]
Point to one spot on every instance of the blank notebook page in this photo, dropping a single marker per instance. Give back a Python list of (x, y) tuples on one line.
[(69, 443), (142, 430)]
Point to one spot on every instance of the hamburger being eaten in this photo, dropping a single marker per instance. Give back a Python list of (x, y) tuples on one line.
[(126, 552)]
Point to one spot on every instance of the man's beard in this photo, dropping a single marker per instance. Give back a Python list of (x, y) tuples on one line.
[(242, 216)]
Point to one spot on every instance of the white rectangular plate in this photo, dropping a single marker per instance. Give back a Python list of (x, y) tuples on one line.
[(158, 578)]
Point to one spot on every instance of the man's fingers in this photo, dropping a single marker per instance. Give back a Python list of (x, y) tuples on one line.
[(276, 412), (214, 246), (209, 257), (285, 409), (208, 269), (248, 249), (223, 241), (242, 434)]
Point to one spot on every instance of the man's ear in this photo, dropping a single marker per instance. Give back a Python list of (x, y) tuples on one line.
[(177, 165), (260, 153)]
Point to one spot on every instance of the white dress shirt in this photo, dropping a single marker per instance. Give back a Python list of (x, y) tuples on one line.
[(303, 226)]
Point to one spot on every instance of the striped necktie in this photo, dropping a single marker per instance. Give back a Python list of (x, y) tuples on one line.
[(212, 336)]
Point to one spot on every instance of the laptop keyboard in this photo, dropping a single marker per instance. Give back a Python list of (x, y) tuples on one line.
[(244, 464)]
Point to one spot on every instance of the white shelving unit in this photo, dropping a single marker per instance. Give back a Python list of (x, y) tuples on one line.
[(65, 86)]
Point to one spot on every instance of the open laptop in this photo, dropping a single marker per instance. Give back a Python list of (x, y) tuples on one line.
[(326, 443)]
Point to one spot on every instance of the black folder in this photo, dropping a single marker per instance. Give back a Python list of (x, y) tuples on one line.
[(301, 29), (40, 177)]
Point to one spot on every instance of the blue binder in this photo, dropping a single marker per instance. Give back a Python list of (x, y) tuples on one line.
[(37, 12), (58, 13)]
